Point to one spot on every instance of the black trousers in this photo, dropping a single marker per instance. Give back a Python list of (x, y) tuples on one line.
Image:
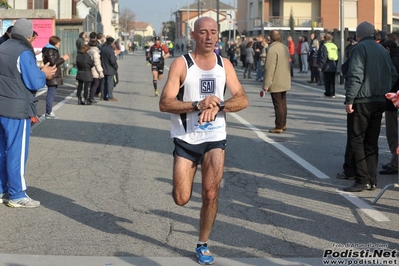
[(85, 85), (300, 64), (280, 108), (95, 84), (364, 140), (329, 83), (347, 166)]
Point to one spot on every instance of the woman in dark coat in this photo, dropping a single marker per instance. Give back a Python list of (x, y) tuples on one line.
[(84, 63), (51, 55)]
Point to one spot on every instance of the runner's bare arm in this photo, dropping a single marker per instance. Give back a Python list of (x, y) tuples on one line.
[(168, 101)]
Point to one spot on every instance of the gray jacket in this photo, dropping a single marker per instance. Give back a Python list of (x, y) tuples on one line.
[(371, 73)]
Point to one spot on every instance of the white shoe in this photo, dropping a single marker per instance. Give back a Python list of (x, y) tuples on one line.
[(51, 116), (23, 203)]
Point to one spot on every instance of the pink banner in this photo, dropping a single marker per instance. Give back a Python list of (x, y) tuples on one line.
[(44, 27)]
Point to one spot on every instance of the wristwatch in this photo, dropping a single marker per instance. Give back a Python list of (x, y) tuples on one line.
[(195, 105), (221, 106)]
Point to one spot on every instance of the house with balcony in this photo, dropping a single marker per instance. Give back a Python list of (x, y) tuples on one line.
[(70, 18), (187, 15), (323, 15)]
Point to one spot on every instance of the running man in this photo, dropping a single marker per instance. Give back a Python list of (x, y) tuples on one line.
[(194, 95), (156, 56)]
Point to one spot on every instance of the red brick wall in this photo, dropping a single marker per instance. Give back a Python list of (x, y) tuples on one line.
[(366, 11), (330, 14)]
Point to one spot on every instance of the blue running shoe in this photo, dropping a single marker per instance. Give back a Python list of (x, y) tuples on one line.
[(204, 256)]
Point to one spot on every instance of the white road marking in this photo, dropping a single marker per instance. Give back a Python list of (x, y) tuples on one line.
[(363, 206), (316, 172)]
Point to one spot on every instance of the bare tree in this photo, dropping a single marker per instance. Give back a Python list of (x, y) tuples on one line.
[(169, 29), (126, 19)]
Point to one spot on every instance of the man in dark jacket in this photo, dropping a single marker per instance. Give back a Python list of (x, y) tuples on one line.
[(257, 60), (6, 35), (81, 40), (110, 67), (20, 80), (328, 64), (321, 44), (370, 76), (391, 114)]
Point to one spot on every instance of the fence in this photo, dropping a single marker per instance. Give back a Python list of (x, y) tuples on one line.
[(68, 46)]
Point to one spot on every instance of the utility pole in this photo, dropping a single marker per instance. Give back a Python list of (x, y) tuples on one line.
[(234, 22), (217, 15), (342, 29), (262, 31), (384, 21), (230, 22), (198, 8), (187, 32)]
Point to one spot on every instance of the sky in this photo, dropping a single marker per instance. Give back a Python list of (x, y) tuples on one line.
[(157, 11), (395, 4), (154, 11)]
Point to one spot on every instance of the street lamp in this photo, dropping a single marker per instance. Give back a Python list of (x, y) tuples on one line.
[(198, 11), (231, 17), (263, 18)]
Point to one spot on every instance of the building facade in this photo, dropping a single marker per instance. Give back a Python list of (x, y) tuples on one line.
[(187, 15), (96, 15), (323, 15)]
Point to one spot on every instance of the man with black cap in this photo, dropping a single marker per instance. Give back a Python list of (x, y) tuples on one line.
[(156, 56), (19, 81), (371, 75), (110, 67)]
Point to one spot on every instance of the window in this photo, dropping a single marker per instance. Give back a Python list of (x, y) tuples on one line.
[(37, 4)]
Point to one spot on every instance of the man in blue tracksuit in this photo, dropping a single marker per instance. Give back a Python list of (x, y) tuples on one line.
[(20, 78)]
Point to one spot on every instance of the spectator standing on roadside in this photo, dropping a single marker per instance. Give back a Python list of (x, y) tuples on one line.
[(97, 71), (328, 65), (243, 47), (100, 40), (122, 48), (218, 48), (52, 56), (298, 52), (258, 50), (84, 64), (314, 68), (171, 49), (349, 46), (6, 35), (391, 113), (20, 80), (110, 68), (81, 40), (321, 44), (277, 79), (291, 50), (263, 55), (249, 59), (304, 54), (371, 75), (232, 53)]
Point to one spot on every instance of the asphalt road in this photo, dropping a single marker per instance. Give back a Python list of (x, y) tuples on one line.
[(103, 176)]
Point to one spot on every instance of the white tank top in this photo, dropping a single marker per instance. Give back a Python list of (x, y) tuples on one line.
[(198, 85)]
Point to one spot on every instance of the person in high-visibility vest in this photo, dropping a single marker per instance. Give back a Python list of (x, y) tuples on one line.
[(328, 64), (171, 49)]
